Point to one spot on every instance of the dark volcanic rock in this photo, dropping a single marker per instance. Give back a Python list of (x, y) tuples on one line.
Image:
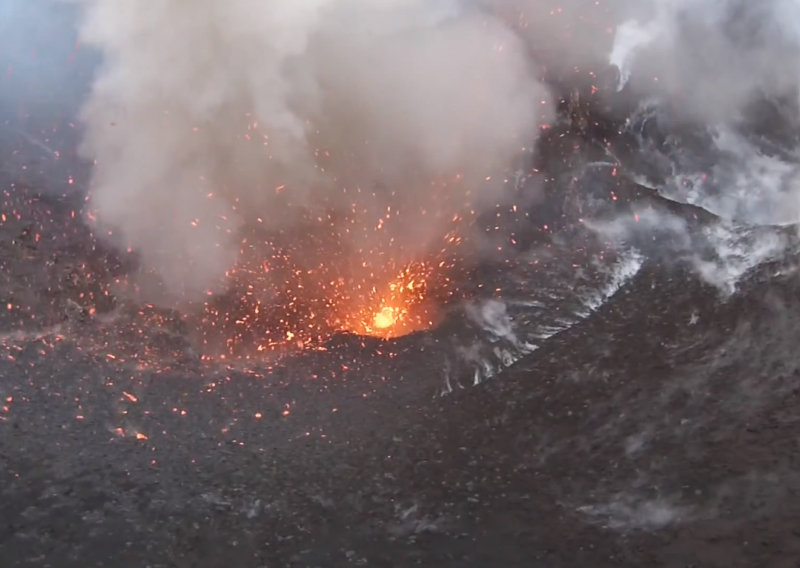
[(658, 428), (658, 431)]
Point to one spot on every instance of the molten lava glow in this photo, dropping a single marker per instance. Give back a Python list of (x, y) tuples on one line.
[(384, 318), (369, 262), (298, 291)]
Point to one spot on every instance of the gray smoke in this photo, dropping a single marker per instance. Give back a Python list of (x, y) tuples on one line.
[(735, 66), (208, 115), (715, 56)]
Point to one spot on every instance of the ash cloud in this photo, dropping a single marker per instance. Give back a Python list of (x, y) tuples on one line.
[(733, 66), (713, 57), (208, 116)]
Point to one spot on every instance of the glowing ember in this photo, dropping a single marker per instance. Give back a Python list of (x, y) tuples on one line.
[(384, 318), (297, 290)]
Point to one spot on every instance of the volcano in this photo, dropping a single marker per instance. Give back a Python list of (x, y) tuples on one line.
[(615, 385)]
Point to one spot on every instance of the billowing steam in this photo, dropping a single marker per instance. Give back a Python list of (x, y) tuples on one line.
[(732, 65), (718, 56), (376, 123), (209, 116)]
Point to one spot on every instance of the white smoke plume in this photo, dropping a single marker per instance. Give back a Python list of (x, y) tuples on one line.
[(715, 56), (732, 65), (207, 115)]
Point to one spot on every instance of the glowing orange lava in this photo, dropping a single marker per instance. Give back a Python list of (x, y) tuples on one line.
[(333, 273), (401, 307), (384, 318), (275, 305)]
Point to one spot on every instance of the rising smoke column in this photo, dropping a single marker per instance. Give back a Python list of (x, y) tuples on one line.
[(208, 115)]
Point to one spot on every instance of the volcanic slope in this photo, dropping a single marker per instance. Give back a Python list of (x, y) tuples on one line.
[(660, 430), (654, 428)]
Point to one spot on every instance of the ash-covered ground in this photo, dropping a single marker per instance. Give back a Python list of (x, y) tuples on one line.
[(618, 388), (623, 393)]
